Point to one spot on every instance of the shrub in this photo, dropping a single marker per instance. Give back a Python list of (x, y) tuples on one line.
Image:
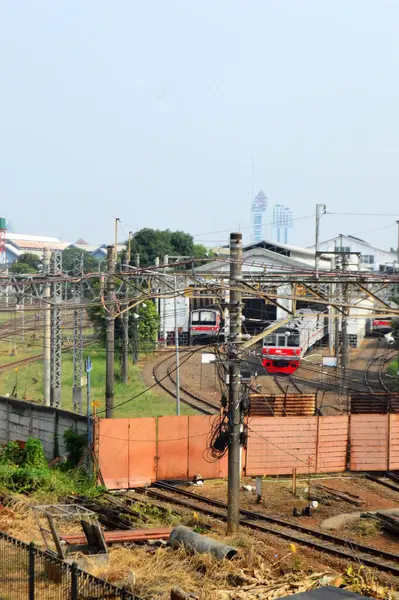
[(11, 453), (75, 445), (33, 455)]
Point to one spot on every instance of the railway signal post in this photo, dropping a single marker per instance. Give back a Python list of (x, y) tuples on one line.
[(234, 339)]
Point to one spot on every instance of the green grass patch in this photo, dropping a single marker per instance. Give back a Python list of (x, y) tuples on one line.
[(28, 382), (394, 379)]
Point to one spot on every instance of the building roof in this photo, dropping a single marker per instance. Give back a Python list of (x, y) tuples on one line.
[(279, 248), (27, 245), (260, 196), (256, 258), (352, 237), (85, 247), (12, 249), (358, 239), (31, 243), (32, 238), (81, 242)]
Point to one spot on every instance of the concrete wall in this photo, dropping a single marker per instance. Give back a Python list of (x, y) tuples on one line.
[(20, 420)]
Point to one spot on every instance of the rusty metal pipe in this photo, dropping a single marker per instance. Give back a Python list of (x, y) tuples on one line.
[(184, 536)]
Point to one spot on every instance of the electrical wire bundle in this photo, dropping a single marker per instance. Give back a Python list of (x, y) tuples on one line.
[(218, 438)]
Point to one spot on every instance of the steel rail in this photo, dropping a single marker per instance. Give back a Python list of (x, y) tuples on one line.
[(342, 547), (187, 397)]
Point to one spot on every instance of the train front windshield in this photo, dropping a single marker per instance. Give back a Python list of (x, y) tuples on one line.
[(203, 317), (288, 339)]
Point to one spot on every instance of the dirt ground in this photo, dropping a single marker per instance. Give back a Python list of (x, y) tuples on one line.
[(278, 500), (265, 567)]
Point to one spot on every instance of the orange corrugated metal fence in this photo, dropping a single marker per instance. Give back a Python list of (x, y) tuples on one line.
[(136, 452)]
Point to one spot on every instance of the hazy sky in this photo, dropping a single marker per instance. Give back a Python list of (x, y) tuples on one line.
[(151, 111)]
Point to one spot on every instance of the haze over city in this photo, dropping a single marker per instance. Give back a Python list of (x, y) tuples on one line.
[(156, 111)]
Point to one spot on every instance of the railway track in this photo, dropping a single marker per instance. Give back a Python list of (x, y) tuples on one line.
[(162, 373), (318, 540), (286, 390), (34, 358), (374, 379)]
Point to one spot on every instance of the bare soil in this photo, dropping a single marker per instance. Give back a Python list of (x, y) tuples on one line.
[(150, 571), (278, 500)]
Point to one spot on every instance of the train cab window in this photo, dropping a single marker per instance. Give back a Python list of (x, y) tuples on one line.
[(293, 340), (270, 340), (282, 340), (195, 317), (208, 317)]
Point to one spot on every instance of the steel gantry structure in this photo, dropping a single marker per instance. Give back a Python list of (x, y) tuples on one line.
[(56, 331), (77, 296)]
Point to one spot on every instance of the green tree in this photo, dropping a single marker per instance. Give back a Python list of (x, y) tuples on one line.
[(30, 259), (26, 263), (69, 255), (148, 324), (20, 268), (150, 243)]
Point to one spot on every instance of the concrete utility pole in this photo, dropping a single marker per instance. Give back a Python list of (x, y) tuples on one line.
[(344, 329), (177, 351), (320, 211), (46, 329), (56, 333), (397, 249), (136, 311), (125, 318), (397, 368), (110, 333), (234, 339), (77, 291), (332, 313), (117, 221), (164, 333)]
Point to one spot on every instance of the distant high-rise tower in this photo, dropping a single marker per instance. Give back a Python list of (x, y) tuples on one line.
[(282, 221), (3, 229), (259, 206)]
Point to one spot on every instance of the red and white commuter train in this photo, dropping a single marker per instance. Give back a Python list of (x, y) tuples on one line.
[(381, 326), (205, 323), (283, 349)]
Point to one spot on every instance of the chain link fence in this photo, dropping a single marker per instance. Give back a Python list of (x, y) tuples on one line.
[(27, 573)]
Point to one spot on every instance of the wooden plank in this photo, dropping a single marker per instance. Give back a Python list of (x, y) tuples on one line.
[(114, 537), (56, 538)]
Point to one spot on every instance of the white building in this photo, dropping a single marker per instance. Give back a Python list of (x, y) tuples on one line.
[(371, 258), (268, 255)]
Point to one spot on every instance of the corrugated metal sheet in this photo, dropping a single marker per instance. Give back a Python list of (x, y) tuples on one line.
[(135, 452), (369, 442), (276, 446), (379, 402), (283, 405)]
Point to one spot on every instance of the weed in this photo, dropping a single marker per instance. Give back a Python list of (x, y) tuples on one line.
[(367, 527), (241, 542), (157, 514)]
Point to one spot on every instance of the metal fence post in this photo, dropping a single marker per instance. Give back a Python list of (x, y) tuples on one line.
[(31, 571), (74, 581)]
